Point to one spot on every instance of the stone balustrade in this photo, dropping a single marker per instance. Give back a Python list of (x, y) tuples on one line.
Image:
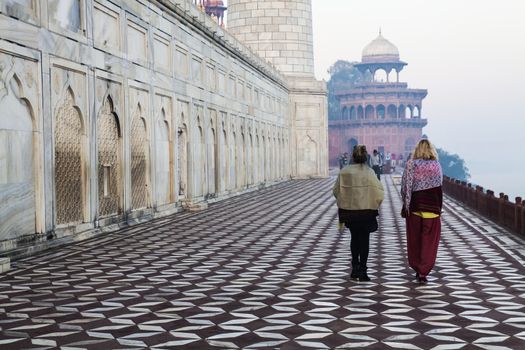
[(497, 208)]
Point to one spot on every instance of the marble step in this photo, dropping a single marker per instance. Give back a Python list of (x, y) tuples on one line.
[(5, 265)]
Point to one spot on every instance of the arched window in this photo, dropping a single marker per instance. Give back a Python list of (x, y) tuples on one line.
[(344, 113), (353, 113), (392, 111), (360, 112), (392, 76), (401, 111), (380, 76), (416, 112), (369, 112), (408, 113), (380, 112)]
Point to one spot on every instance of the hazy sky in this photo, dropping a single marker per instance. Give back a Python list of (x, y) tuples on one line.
[(469, 54)]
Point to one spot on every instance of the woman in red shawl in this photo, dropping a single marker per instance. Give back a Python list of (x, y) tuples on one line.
[(421, 189)]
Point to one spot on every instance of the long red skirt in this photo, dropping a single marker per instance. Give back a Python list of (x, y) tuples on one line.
[(422, 243)]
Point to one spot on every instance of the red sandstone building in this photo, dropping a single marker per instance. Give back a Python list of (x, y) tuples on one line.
[(383, 114)]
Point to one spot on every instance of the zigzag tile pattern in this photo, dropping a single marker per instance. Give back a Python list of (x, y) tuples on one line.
[(268, 270)]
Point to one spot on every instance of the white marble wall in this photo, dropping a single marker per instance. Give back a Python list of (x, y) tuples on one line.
[(200, 94), (280, 31)]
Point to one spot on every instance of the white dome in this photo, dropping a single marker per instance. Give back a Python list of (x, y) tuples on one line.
[(380, 50)]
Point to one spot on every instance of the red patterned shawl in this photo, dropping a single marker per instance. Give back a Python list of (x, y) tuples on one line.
[(420, 175)]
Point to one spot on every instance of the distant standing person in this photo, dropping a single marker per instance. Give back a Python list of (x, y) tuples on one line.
[(421, 189), (375, 162), (359, 194), (344, 161)]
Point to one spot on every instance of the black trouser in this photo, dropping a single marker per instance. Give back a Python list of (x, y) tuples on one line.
[(377, 170), (359, 244)]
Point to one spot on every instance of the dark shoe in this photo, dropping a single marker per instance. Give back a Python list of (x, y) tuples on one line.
[(355, 272), (363, 276), (422, 279)]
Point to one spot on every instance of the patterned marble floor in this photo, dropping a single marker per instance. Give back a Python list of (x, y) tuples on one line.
[(268, 270)]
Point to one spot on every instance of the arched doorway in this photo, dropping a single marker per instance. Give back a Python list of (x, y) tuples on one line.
[(351, 144)]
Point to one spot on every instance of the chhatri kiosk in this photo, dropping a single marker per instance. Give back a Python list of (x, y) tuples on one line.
[(383, 113)]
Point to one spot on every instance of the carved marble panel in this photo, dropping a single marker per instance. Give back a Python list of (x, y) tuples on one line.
[(182, 160), (164, 155), (68, 163), (183, 147), (223, 159), (233, 159), (139, 162), (109, 161), (211, 161), (307, 159)]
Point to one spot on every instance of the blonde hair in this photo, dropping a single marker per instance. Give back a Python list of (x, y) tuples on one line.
[(425, 150)]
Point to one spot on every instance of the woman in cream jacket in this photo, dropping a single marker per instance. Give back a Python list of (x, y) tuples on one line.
[(359, 194)]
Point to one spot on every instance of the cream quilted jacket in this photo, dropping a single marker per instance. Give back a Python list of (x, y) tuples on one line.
[(357, 188)]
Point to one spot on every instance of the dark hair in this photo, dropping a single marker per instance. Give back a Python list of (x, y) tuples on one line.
[(360, 155)]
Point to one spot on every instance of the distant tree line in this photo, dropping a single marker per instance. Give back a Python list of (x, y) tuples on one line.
[(453, 165), (343, 76)]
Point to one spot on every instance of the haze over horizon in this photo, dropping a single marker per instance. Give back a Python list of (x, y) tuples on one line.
[(470, 55)]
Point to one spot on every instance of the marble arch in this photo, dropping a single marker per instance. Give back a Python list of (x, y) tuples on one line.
[(18, 144), (110, 170)]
